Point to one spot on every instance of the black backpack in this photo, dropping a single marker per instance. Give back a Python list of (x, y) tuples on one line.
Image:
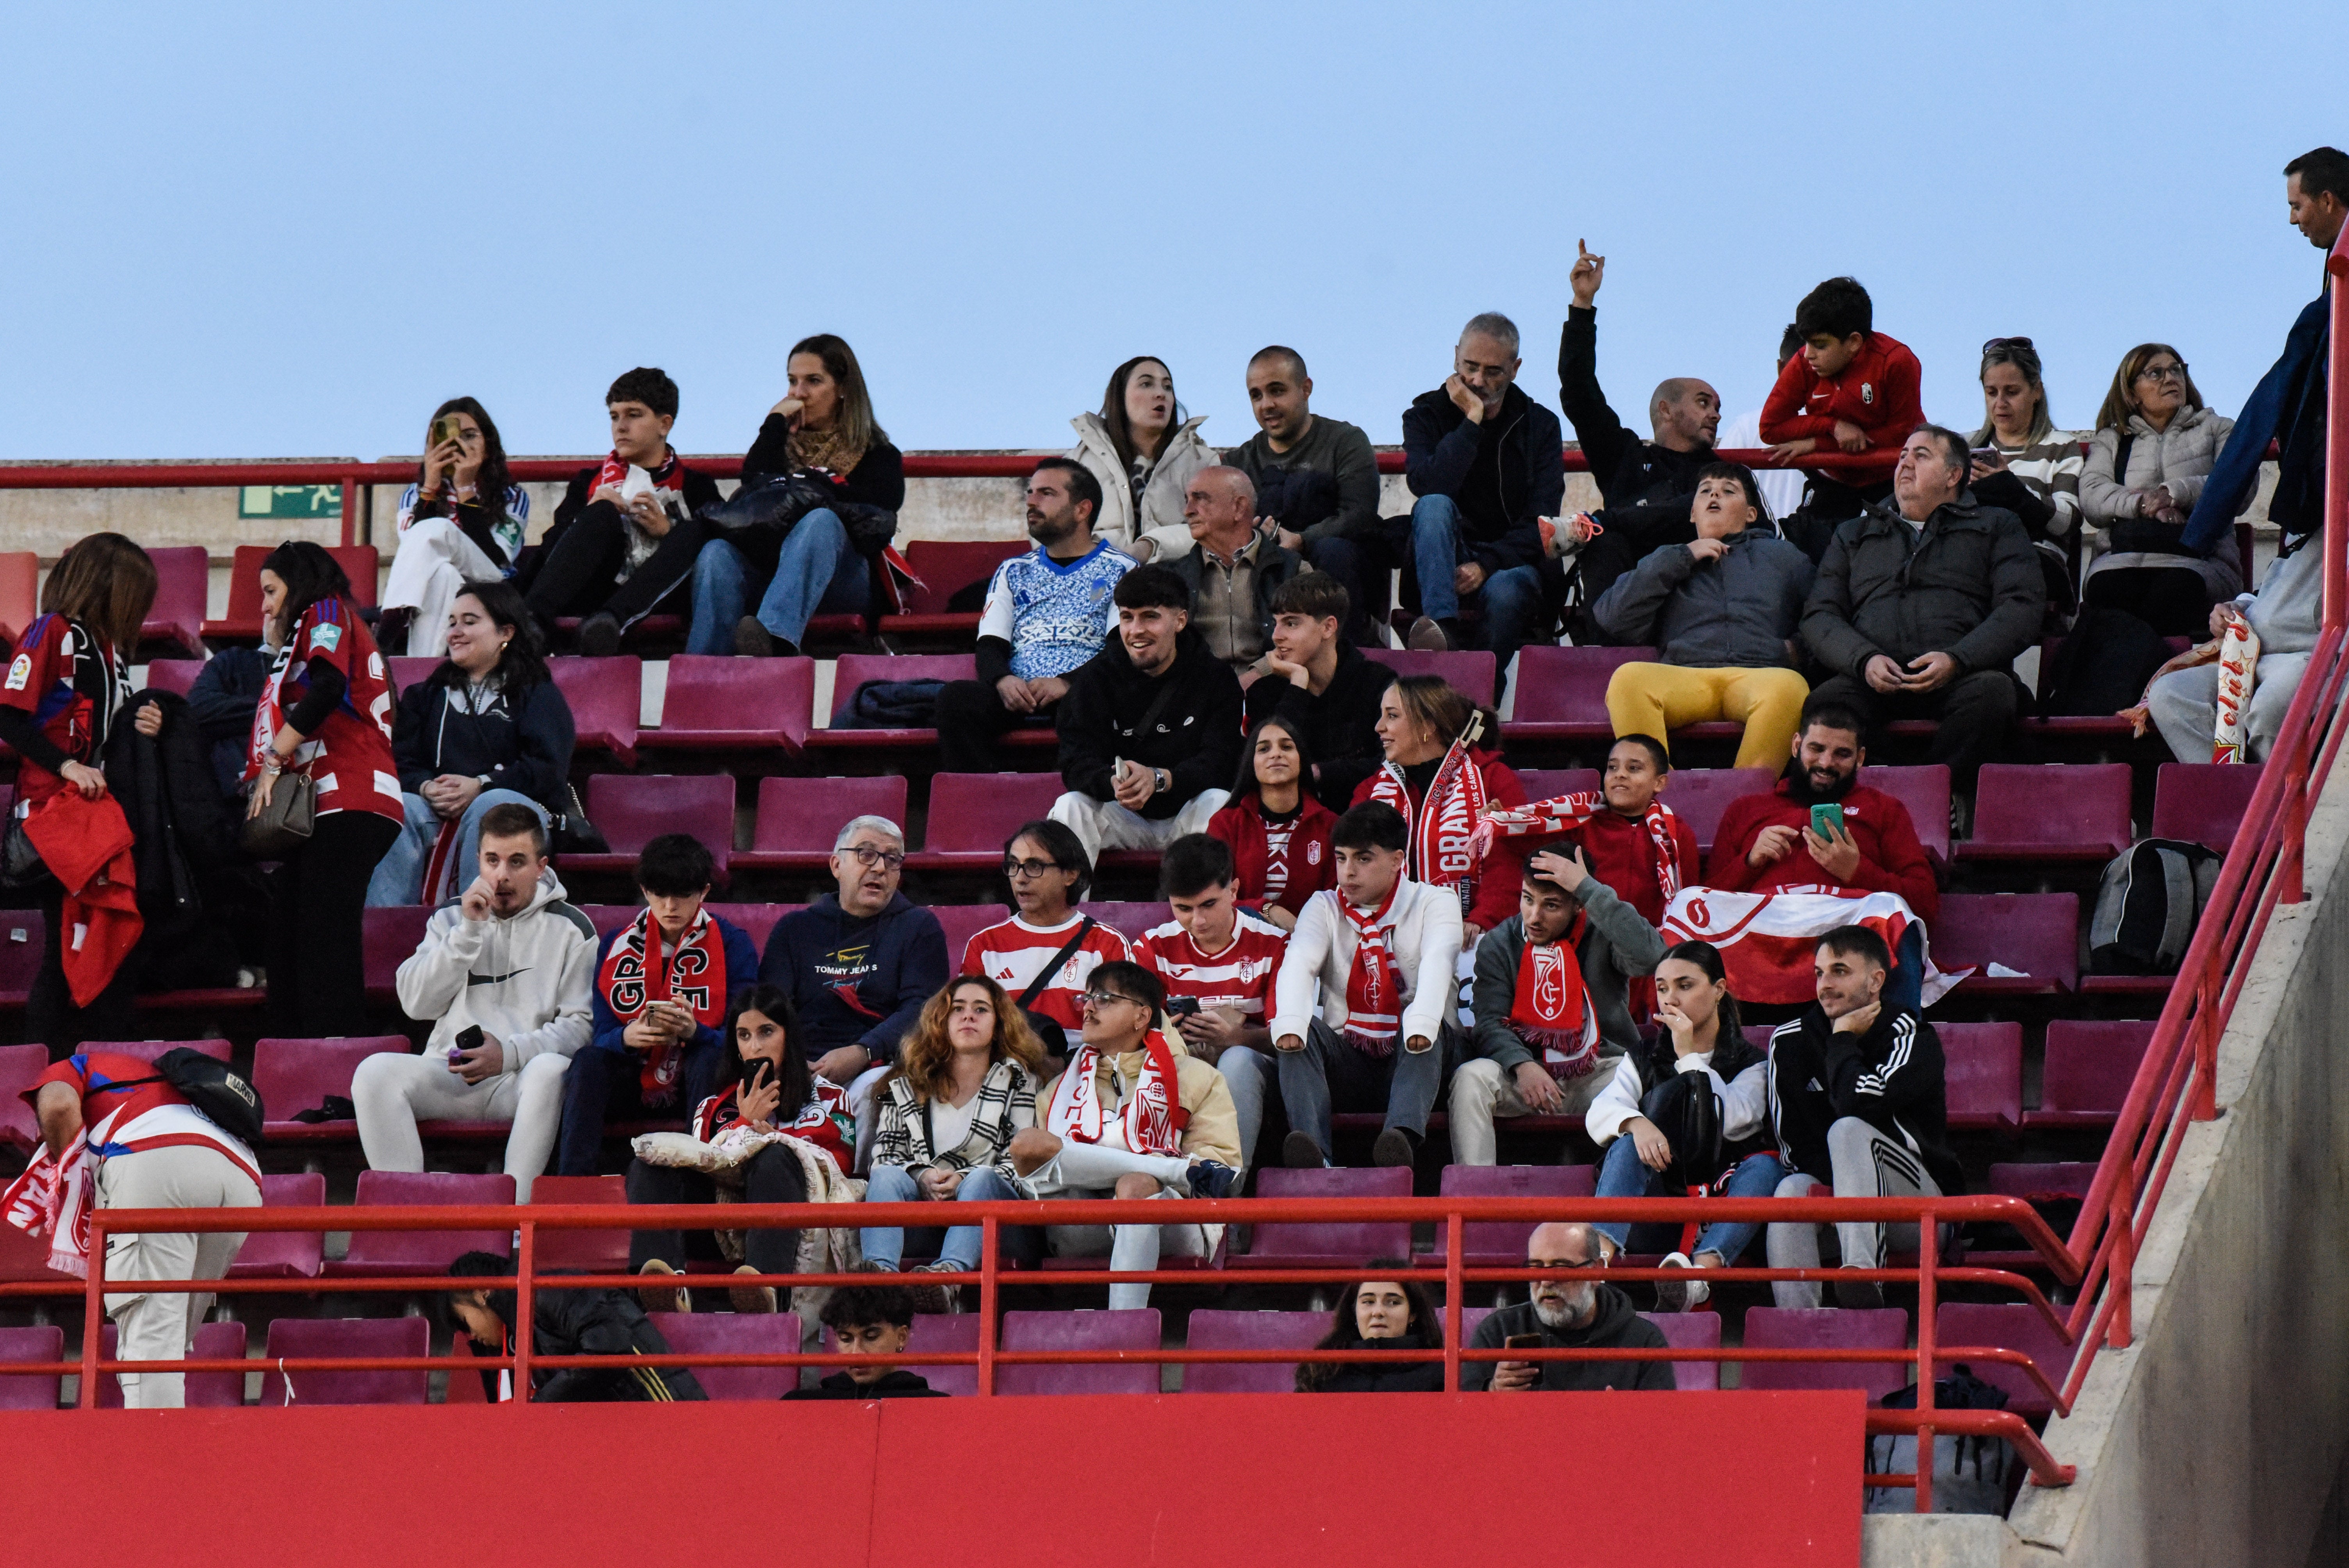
[(1685, 1108), (212, 1087), (2151, 895)]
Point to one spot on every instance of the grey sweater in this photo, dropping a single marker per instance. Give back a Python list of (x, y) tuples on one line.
[(1330, 447), (1615, 945), (1741, 611)]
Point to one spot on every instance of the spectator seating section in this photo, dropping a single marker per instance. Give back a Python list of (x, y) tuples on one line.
[(2089, 1066), (422, 1254), (242, 622), (153, 1050), (285, 1254), (45, 1342), (971, 815), (20, 593), (1925, 792), (387, 938), (944, 1334), (750, 1332), (1826, 1328), (1701, 796), (2037, 933), (1132, 919), (173, 676), (1691, 1331), (1561, 693), (606, 698), (294, 1076), (1983, 1074), (348, 1336), (1132, 1330), (2054, 1190), (204, 1390), (800, 818), (19, 1066), (1472, 673), (713, 703), (1337, 1243), (2050, 812), (176, 619), (1213, 1328), (755, 919), (944, 568), (854, 670), (2006, 1325), (2202, 802), (631, 810), (1501, 1243), (583, 1252)]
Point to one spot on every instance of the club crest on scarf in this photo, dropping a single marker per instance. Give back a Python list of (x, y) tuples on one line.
[(1373, 988), (1551, 1012), (1152, 1115), (636, 973)]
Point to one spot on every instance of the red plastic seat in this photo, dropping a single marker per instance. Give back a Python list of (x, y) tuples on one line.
[(1961, 1325), (424, 1252), (633, 810), (944, 1334), (1501, 1243), (945, 568), (1826, 1328), (2050, 813), (583, 1252), (353, 1336), (1471, 673), (1134, 919), (176, 619), (21, 933), (407, 672), (173, 676), (750, 1333), (388, 937), (242, 622), (1701, 795), (285, 1254), (20, 592), (1925, 792), (971, 814), (25, 1392), (606, 698), (1983, 1074), (1340, 1243), (205, 1390), (19, 1066), (1549, 783), (298, 1075), (2089, 1066), (1212, 1328), (1691, 1331), (720, 703), (800, 818), (1128, 1329), (852, 670), (2036, 933), (755, 919), (2202, 802), (1562, 692), (153, 1050), (961, 921)]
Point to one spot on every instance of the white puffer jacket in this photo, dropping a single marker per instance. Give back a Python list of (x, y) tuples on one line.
[(1160, 521), (2180, 458)]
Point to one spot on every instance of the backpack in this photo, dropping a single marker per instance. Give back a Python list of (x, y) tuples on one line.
[(214, 1087), (1970, 1475), (2150, 897)]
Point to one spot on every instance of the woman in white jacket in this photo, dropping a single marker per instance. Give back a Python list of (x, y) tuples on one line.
[(1700, 1035), (2154, 446), (1142, 459)]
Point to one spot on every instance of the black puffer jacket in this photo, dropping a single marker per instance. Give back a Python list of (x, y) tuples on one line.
[(1194, 733), (184, 835), (1967, 584), (596, 1322), (1373, 1376)]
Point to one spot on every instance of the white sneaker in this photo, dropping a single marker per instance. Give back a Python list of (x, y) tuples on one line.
[(1681, 1294)]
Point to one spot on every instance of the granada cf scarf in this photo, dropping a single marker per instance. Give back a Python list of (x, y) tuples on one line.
[(1551, 1012), (1443, 829), (1769, 940), (1548, 819), (1373, 989), (669, 479), (1153, 1116), (2239, 664), (636, 973), (52, 1199)]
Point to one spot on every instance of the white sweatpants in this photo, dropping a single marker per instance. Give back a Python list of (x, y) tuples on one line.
[(1106, 825), (161, 1325), (1868, 1164), (393, 1093), (1481, 1092), (1088, 1171), (434, 562)]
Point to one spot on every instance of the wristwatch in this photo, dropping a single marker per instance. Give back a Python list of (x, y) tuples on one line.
[(1160, 781)]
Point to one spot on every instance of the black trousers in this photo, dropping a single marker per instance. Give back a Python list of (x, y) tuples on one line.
[(600, 1085), (317, 976), (2173, 600), (51, 1016), (972, 721), (581, 574), (771, 1176), (1976, 714)]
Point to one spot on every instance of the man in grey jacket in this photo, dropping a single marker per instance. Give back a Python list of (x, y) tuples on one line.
[(1535, 1051), (1317, 482), (1922, 604), (2285, 612)]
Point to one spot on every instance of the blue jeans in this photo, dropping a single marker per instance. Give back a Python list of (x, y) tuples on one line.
[(1621, 1175), (1246, 1072), (1511, 598), (817, 573), (400, 875), (1905, 986), (896, 1184)]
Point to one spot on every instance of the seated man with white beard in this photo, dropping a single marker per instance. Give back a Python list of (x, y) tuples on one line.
[(1577, 1313)]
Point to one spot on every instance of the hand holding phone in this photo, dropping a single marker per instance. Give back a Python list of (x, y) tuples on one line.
[(1827, 818)]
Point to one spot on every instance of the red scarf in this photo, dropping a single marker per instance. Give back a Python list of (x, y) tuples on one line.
[(1443, 829), (1373, 988), (668, 476), (87, 845), (1152, 1115), (1548, 819), (1551, 1012), (636, 973)]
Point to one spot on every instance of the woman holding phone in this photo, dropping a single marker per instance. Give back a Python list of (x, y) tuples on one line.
[(763, 1084), (1389, 1314), (461, 522)]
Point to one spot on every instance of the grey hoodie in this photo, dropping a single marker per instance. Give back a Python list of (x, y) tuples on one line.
[(1615, 945), (1739, 611), (527, 980)]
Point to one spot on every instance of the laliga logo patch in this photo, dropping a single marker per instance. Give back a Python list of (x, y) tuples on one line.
[(325, 639), (20, 672)]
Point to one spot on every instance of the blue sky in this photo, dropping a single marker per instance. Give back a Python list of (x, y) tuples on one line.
[(252, 230)]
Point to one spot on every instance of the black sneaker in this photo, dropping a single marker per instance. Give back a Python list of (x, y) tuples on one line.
[(1858, 1294), (1300, 1153), (1212, 1179), (1395, 1146), (599, 635), (752, 639)]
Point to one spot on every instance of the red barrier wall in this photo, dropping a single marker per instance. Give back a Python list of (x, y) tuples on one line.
[(1191, 1481)]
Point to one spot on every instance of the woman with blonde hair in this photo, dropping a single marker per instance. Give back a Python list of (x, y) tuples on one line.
[(965, 1082), (2154, 446)]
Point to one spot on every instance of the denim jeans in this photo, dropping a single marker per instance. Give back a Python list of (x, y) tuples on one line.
[(1246, 1072), (896, 1184), (400, 875), (1621, 1175), (1511, 598), (816, 574), (1328, 1075)]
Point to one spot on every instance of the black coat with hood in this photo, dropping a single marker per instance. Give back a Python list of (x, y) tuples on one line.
[(1499, 525), (1186, 720), (1613, 1326), (184, 844)]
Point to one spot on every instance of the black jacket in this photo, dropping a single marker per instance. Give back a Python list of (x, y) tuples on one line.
[(697, 488), (522, 745), (1377, 1376), (181, 828), (1627, 470), (597, 1323), (1967, 584), (221, 701), (1614, 1325), (1193, 732), (1892, 1077), (1440, 448), (877, 480), (898, 1385), (1339, 727)]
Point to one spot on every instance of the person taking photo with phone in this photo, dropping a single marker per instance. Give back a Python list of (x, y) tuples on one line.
[(461, 522)]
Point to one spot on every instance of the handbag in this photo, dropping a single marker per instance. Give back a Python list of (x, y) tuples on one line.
[(572, 833), (1686, 1110), (758, 518), (286, 824), (21, 865)]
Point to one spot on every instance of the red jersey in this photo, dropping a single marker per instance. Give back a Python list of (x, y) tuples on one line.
[(1279, 862), (1014, 953), (117, 1121), (74, 686), (825, 1121), (1240, 976), (1880, 391), (349, 758), (1891, 860)]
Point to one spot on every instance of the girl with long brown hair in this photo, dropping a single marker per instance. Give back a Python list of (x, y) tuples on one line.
[(1143, 451), (1443, 768)]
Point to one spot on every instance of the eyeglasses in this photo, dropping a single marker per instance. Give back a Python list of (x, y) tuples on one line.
[(870, 858), (2162, 373), (1012, 869), (1998, 342), (1103, 998)]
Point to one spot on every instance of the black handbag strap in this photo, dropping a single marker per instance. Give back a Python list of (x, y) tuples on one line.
[(1044, 978), (2123, 441)]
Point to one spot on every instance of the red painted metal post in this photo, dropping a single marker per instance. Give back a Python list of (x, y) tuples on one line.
[(93, 1312), (988, 1281), (2119, 1278), (1453, 1288), (525, 1307), (1928, 1254), (2206, 1042)]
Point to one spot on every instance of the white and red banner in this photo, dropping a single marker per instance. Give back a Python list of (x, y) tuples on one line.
[(1769, 940)]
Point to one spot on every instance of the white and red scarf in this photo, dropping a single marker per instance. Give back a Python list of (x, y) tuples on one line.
[(1152, 1115), (636, 973), (53, 1198), (1443, 849), (1551, 1011), (1768, 941), (1373, 985), (669, 479), (1565, 813), (2239, 664)]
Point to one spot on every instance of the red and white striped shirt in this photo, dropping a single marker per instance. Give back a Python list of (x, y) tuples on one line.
[(1014, 953), (1240, 976)]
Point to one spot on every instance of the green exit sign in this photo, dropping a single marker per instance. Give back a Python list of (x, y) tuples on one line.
[(289, 501)]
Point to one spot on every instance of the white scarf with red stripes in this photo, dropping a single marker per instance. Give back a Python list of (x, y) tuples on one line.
[(1152, 1115), (1444, 830), (1373, 989), (1548, 819), (53, 1198), (1769, 940)]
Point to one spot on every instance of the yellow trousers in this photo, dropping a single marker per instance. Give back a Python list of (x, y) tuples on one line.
[(1656, 699)]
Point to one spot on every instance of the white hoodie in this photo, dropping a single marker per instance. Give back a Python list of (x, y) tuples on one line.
[(525, 980)]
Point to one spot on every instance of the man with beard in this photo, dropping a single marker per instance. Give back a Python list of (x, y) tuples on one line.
[(1766, 843), (1575, 1312)]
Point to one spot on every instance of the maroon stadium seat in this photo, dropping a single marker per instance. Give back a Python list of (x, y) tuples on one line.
[(388, 937), (242, 622), (944, 1334), (2038, 933), (750, 1332), (1982, 1326), (2063, 1179), (852, 670), (20, 593), (153, 1050), (2088, 1069), (353, 1336), (1701, 795), (1339, 1243), (1130, 918), (47, 1343), (720, 703), (946, 567), (961, 921), (1562, 692), (631, 810), (407, 672), (607, 918), (800, 818), (1549, 783), (1826, 1328), (2052, 813), (1691, 1331), (1130, 1330), (424, 1252), (293, 1075), (174, 676), (19, 1066), (1983, 1074), (583, 1252), (21, 933), (176, 619), (1501, 1243), (1212, 1328), (755, 919), (606, 698), (971, 814), (285, 1254), (1471, 673), (205, 1390), (2202, 802), (1925, 792)]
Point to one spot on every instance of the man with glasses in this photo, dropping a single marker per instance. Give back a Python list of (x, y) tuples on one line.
[(1135, 1117), (1578, 1311), (858, 963)]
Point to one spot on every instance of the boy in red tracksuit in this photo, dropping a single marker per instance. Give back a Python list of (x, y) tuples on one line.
[(1851, 389)]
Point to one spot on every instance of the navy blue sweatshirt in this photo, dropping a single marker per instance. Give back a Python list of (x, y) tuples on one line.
[(741, 974), (856, 982)]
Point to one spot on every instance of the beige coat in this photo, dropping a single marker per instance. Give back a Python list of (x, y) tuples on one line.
[(2180, 458), (1212, 1133), (1160, 521)]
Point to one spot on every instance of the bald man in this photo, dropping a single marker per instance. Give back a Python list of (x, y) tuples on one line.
[(1232, 567), (1577, 1311)]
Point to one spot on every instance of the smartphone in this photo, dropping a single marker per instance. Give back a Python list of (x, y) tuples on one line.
[(1182, 1006), (1522, 1342), (446, 428), (468, 1038), (1827, 818)]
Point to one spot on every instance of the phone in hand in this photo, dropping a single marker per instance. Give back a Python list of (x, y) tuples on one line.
[(1522, 1342), (446, 428), (468, 1038), (1827, 818), (1182, 1006)]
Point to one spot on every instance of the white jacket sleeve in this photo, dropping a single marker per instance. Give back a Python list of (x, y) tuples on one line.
[(572, 1024), (1616, 1104), (1298, 985), (1746, 1106), (1435, 990), (432, 978)]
